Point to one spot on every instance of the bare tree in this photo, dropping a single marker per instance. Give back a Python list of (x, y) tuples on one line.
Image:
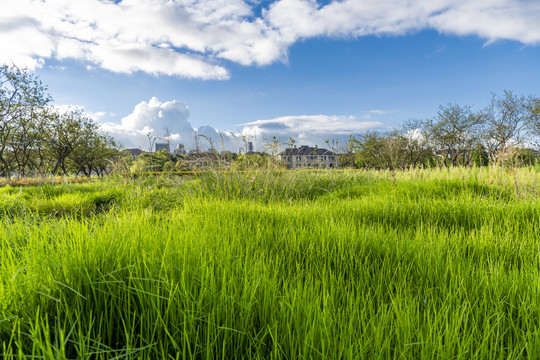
[(533, 109), (505, 120), (417, 149)]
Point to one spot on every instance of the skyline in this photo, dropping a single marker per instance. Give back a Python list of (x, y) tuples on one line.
[(305, 69)]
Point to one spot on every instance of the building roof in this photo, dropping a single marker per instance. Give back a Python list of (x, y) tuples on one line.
[(306, 150)]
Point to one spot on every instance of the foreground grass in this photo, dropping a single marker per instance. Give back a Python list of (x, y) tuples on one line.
[(338, 265)]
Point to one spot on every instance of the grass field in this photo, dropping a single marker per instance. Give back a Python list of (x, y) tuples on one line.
[(443, 264)]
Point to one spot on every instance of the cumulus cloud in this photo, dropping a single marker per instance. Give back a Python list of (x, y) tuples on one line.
[(155, 118), (154, 121), (191, 38), (152, 118), (307, 129)]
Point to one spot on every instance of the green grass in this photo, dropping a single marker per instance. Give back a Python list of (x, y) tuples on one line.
[(274, 265)]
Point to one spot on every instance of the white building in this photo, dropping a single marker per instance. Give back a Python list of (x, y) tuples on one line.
[(309, 157), (180, 150)]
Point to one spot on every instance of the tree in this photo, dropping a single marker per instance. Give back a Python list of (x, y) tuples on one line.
[(34, 138), (379, 150), (27, 139), (454, 133), (22, 99), (417, 150), (65, 132), (347, 159), (392, 151), (480, 156), (505, 120), (367, 147), (91, 148), (533, 109)]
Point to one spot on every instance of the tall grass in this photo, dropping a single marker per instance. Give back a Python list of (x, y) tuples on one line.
[(337, 265)]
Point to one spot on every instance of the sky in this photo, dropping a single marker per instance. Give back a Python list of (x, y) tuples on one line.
[(254, 69)]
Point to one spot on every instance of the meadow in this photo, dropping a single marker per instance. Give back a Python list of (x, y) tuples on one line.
[(420, 264)]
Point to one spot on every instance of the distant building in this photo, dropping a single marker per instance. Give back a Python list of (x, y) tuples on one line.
[(309, 157), (163, 146), (180, 150)]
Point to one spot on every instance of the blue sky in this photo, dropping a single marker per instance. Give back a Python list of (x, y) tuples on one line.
[(300, 68)]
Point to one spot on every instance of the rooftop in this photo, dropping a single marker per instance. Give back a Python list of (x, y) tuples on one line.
[(306, 150)]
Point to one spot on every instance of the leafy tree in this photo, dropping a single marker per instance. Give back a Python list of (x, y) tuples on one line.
[(480, 156), (367, 149), (22, 99), (101, 151), (89, 147), (454, 133), (27, 138), (379, 150), (65, 136), (34, 138), (393, 148), (347, 159)]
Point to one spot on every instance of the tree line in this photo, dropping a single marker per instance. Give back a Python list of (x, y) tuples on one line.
[(505, 132), (38, 139)]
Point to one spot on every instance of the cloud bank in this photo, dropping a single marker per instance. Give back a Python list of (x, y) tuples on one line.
[(154, 118), (192, 38), (308, 129)]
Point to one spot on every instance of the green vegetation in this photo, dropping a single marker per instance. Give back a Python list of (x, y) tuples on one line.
[(500, 134), (37, 139), (419, 264)]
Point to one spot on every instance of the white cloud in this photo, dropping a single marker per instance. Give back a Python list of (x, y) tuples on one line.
[(128, 58), (307, 129), (491, 20), (371, 113), (150, 121), (155, 118), (188, 38), (494, 20), (64, 108)]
